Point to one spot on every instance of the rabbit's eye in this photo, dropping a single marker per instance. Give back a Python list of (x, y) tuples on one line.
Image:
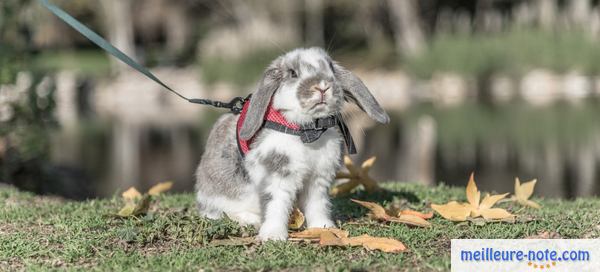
[(293, 73)]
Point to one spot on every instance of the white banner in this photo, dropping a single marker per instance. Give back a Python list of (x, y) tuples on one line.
[(551, 255)]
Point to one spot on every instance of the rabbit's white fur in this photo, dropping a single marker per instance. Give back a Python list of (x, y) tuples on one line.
[(280, 171)]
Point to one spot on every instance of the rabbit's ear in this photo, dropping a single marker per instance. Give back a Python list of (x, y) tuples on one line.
[(355, 90), (259, 102)]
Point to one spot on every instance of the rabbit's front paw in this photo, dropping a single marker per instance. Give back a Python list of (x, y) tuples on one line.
[(269, 232)]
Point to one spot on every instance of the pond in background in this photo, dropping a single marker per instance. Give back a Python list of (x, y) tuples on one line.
[(559, 145)]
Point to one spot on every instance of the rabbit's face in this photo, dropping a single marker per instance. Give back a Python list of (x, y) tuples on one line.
[(305, 84), (308, 87)]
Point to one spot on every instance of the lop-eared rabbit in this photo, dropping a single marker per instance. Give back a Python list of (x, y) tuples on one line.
[(281, 170)]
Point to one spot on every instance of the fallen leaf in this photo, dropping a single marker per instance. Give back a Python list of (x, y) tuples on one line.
[(366, 241), (475, 207), (131, 194), (428, 215), (523, 192), (315, 233), (160, 188), (296, 219), (328, 238), (378, 243), (411, 220), (127, 210), (453, 210), (135, 208), (379, 213), (357, 176)]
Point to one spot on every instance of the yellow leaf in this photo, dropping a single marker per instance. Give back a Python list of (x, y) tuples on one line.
[(357, 176), (410, 219), (375, 243), (134, 208), (473, 194), (315, 233), (328, 238), (415, 213), (127, 210), (379, 213), (344, 188), (523, 192), (366, 241), (495, 213), (489, 201), (453, 210), (531, 204), (366, 165), (160, 188), (460, 211), (376, 210), (296, 219), (131, 194)]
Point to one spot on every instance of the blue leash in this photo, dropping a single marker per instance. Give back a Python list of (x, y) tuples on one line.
[(235, 105)]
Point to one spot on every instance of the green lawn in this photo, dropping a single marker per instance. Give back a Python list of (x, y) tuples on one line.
[(40, 233)]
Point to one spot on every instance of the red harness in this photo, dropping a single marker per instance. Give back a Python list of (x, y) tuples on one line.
[(271, 115), (308, 133)]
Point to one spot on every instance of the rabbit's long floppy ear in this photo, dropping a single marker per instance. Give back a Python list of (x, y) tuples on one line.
[(356, 90), (259, 102)]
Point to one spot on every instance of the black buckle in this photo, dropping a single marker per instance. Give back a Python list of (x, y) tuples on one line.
[(321, 124), (237, 104)]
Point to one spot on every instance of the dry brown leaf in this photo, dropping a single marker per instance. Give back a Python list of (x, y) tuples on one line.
[(357, 176), (328, 238), (453, 210), (523, 192), (428, 215), (366, 241), (296, 219), (315, 233), (160, 188), (135, 208), (379, 213), (376, 243), (460, 211), (337, 237), (411, 220), (131, 194)]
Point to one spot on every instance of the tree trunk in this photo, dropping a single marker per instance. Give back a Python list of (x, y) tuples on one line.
[(314, 22), (546, 11), (407, 27), (119, 29)]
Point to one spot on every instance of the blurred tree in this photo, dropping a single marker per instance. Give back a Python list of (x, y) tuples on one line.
[(315, 22), (408, 33), (119, 25)]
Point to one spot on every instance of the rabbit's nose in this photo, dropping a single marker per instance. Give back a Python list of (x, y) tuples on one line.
[(321, 88)]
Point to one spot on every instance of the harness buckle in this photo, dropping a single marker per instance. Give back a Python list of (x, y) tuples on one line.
[(323, 123), (237, 104)]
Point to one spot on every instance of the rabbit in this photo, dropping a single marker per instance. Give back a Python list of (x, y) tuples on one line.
[(280, 171)]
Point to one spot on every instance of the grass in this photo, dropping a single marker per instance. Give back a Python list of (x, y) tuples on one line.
[(43, 233)]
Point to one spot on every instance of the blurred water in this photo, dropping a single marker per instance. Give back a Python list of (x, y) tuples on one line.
[(417, 146)]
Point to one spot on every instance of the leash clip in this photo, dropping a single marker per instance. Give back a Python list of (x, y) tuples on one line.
[(237, 104)]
